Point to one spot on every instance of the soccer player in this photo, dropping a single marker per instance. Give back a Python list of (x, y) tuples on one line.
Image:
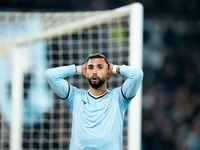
[(97, 113)]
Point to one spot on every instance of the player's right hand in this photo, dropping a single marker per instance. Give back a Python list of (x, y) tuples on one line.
[(84, 69)]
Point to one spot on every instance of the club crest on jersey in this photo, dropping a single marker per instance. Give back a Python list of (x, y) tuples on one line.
[(106, 101)]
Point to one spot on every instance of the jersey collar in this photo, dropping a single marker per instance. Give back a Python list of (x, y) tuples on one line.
[(96, 97)]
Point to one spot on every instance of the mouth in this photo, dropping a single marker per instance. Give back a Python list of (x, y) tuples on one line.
[(94, 78)]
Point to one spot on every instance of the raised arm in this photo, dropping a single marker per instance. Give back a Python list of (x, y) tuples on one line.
[(133, 81), (55, 77)]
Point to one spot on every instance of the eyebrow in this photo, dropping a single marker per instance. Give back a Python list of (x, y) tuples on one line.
[(90, 65)]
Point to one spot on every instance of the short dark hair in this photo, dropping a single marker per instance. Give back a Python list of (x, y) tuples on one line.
[(98, 55)]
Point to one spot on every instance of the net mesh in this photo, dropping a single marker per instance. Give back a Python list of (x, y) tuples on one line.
[(46, 119)]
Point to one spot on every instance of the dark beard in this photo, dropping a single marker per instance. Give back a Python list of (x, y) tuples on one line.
[(96, 85)]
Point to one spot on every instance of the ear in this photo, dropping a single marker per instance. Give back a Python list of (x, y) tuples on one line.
[(84, 70), (110, 73)]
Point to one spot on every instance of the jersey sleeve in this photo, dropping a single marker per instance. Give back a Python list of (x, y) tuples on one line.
[(55, 78), (131, 85), (133, 81), (73, 92)]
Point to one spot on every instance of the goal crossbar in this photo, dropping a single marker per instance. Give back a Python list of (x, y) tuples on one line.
[(100, 17)]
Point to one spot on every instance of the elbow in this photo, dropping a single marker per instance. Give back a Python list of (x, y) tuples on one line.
[(138, 76), (48, 74), (140, 73)]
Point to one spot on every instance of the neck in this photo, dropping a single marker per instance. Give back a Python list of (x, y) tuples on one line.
[(99, 91)]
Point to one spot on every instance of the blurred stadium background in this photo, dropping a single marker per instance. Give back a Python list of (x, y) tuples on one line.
[(171, 58)]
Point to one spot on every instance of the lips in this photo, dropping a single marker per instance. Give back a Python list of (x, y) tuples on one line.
[(94, 78)]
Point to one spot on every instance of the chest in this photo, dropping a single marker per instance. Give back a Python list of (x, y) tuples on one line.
[(90, 108), (97, 117)]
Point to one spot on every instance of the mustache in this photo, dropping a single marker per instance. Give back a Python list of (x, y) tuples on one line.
[(94, 76)]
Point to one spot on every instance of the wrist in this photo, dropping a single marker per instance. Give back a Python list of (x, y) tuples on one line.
[(114, 69), (78, 70)]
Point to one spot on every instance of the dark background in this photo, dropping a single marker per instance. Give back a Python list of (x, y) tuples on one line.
[(178, 7)]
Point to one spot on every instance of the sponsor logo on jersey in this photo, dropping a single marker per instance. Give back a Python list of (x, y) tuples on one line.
[(84, 102)]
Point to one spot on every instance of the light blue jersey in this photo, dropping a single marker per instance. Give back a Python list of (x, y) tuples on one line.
[(97, 120)]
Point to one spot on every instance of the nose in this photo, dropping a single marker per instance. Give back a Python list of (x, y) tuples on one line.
[(94, 71), (94, 74)]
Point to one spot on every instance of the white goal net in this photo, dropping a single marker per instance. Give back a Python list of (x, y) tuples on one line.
[(30, 43)]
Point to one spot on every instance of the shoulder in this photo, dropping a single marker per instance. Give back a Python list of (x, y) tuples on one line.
[(74, 93), (116, 91), (77, 90)]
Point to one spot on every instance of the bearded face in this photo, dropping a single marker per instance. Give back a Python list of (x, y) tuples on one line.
[(96, 82), (97, 72)]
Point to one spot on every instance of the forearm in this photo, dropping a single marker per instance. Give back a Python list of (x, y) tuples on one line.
[(132, 84), (55, 77), (116, 69), (79, 70)]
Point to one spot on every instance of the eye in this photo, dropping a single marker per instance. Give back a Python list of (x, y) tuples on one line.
[(100, 67), (90, 67)]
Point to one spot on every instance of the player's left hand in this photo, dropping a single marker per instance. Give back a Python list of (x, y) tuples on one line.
[(110, 73)]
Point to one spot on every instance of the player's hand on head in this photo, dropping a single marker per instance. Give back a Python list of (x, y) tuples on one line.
[(84, 69), (110, 73)]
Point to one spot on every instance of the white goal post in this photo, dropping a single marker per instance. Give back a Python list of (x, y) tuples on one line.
[(32, 42)]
